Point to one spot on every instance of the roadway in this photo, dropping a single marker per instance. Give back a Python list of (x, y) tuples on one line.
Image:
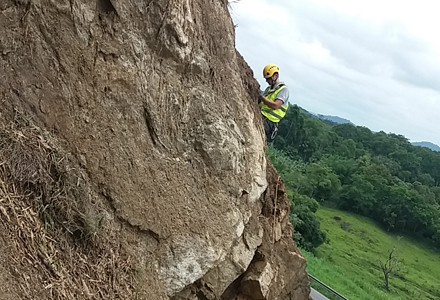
[(317, 295)]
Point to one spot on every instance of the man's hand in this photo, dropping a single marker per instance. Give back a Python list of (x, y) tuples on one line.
[(260, 98)]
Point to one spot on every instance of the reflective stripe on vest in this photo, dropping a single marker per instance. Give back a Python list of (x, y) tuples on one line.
[(271, 94)]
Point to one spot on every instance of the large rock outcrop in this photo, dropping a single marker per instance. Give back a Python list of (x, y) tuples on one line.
[(132, 157)]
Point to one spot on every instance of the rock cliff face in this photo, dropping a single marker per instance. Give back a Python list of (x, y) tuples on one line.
[(132, 157)]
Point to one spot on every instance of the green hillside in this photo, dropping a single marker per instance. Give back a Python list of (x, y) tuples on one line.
[(377, 175), (374, 174), (350, 260)]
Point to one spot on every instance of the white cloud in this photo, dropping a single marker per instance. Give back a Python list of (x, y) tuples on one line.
[(376, 63)]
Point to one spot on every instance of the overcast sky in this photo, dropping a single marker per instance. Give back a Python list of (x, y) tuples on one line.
[(375, 63)]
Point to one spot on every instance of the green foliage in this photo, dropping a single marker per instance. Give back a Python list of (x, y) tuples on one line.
[(305, 223), (291, 134), (323, 184), (378, 175)]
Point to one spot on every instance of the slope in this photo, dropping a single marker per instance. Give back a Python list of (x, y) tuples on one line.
[(355, 248), (132, 157)]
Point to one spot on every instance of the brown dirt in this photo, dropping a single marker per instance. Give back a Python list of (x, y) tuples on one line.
[(127, 130)]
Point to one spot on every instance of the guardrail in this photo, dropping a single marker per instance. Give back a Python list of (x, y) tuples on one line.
[(327, 287)]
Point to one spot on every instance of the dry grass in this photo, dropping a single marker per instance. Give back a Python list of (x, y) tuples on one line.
[(33, 166), (61, 250)]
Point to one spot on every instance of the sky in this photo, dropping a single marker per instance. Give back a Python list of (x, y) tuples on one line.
[(375, 63)]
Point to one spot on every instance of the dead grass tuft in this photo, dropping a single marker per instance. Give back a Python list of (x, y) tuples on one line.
[(58, 235), (88, 225), (31, 161)]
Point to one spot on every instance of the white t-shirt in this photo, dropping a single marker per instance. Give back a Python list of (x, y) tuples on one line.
[(283, 95)]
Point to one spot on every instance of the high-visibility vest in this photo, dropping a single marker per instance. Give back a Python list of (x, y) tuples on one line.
[(271, 94)]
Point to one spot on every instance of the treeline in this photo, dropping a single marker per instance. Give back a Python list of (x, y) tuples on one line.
[(378, 175)]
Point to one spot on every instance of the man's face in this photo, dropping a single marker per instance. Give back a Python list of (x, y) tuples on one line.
[(272, 80), (269, 80)]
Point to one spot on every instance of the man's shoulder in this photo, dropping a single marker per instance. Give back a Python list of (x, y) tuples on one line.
[(283, 85)]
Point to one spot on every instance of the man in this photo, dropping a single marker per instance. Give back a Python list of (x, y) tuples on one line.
[(273, 102)]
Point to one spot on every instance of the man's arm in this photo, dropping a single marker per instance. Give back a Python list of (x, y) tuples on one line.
[(272, 104)]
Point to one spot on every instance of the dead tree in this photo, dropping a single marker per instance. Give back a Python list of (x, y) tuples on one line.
[(390, 267)]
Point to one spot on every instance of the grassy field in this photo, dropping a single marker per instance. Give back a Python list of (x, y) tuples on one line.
[(350, 261)]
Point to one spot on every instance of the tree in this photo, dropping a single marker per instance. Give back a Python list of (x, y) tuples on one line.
[(390, 267), (320, 182), (291, 132), (408, 161), (307, 233), (359, 196)]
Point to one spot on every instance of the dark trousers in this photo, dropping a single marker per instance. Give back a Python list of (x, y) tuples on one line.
[(270, 128)]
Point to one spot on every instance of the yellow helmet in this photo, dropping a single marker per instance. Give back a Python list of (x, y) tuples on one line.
[(269, 70)]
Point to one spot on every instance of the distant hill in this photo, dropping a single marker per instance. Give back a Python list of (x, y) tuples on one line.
[(429, 145), (334, 119), (330, 120)]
